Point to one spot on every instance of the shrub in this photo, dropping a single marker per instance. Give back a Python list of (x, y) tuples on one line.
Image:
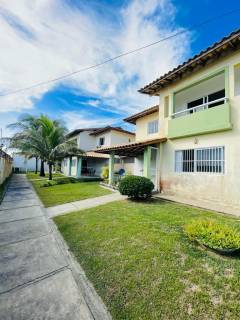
[(62, 181), (214, 235), (46, 184), (136, 187), (65, 180), (105, 172)]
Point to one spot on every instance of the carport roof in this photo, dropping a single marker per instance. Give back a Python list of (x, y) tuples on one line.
[(92, 154), (130, 149)]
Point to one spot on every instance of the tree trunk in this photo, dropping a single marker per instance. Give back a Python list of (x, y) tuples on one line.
[(42, 172), (36, 167), (50, 171)]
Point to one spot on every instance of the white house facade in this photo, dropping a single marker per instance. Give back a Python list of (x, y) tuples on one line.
[(188, 144), (91, 163)]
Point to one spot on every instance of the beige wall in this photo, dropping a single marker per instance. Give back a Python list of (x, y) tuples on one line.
[(5, 168), (224, 188), (142, 127)]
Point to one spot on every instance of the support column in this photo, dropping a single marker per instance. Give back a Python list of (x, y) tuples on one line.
[(160, 166), (70, 166), (79, 167), (146, 161), (111, 168)]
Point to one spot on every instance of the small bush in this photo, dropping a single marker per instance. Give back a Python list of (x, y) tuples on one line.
[(46, 184), (65, 180), (105, 172), (214, 235), (62, 181), (136, 187)]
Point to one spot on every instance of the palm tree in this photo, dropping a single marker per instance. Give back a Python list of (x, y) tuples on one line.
[(45, 138), (26, 125), (55, 147)]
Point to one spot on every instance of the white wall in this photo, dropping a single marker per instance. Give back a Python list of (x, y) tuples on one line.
[(198, 91), (86, 142), (25, 164), (107, 139), (121, 138), (138, 166)]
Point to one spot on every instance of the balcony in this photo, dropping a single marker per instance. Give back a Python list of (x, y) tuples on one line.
[(200, 109)]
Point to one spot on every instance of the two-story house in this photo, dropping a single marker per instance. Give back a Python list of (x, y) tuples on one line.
[(189, 144), (90, 163)]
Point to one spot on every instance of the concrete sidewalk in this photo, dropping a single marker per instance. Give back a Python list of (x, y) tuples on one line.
[(38, 279), (83, 204)]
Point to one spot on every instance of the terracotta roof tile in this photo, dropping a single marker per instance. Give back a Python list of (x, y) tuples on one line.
[(226, 45)]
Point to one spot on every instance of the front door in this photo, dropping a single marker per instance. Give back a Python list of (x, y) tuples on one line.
[(154, 166)]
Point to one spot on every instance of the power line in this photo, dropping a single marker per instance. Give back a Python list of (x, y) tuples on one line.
[(70, 74)]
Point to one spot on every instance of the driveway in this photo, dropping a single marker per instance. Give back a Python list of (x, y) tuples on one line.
[(36, 278)]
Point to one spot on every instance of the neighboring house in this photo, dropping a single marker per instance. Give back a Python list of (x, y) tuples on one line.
[(20, 163), (91, 163), (188, 145)]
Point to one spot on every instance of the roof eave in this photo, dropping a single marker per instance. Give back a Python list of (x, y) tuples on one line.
[(216, 51)]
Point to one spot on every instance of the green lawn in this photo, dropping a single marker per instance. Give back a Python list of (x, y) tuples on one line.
[(144, 267), (33, 176), (63, 193)]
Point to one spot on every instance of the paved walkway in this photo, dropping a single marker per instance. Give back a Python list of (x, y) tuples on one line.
[(204, 204), (38, 278), (83, 204)]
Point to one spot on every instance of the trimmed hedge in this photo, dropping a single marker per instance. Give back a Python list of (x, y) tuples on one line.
[(213, 235), (136, 187), (67, 180)]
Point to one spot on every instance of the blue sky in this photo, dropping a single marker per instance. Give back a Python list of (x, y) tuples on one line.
[(44, 39)]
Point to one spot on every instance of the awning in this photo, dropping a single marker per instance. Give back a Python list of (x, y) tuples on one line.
[(92, 154), (131, 149)]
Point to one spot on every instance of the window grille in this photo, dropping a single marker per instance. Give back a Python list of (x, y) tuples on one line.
[(210, 160), (153, 127)]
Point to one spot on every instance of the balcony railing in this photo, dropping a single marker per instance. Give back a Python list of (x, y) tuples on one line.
[(201, 107)]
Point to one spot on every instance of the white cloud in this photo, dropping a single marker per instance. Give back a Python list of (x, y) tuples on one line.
[(83, 120), (44, 39)]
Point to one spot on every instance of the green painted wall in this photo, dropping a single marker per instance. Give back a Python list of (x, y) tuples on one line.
[(207, 121)]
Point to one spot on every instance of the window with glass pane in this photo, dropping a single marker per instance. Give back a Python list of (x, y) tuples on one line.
[(211, 160), (153, 127), (101, 141)]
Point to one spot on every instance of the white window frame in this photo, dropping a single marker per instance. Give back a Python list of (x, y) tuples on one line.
[(216, 161), (153, 127)]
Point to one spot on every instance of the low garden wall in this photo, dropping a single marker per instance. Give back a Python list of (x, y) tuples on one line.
[(5, 166)]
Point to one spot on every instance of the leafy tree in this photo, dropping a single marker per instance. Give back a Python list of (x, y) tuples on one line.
[(47, 138), (25, 126)]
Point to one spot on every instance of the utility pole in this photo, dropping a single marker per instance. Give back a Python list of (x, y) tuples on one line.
[(1, 143)]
